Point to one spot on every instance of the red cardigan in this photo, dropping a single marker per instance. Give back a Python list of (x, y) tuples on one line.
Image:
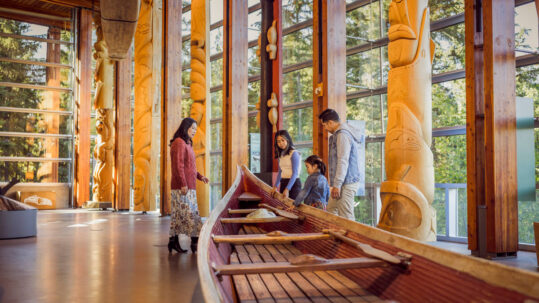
[(184, 170)]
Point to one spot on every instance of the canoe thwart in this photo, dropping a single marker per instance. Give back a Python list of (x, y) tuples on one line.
[(320, 264), (253, 220), (274, 237), (401, 259), (241, 210), (249, 197), (282, 213)]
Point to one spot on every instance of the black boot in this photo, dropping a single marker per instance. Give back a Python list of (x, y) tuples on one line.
[(194, 243), (177, 246), (170, 244)]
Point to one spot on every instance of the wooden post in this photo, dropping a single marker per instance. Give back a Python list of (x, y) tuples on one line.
[(83, 108), (329, 66), (172, 97), (234, 89), (491, 128), (122, 163), (270, 82)]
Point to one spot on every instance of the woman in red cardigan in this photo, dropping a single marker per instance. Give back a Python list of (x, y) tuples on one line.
[(185, 218)]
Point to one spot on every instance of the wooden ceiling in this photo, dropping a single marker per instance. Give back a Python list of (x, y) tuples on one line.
[(44, 12)]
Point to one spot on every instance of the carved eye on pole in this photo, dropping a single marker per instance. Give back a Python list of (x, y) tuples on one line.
[(271, 48)]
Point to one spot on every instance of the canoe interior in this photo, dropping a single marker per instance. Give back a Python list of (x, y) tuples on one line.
[(425, 281)]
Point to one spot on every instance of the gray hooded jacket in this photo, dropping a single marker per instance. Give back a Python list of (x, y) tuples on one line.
[(344, 156)]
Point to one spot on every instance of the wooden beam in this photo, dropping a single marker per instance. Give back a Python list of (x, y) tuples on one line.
[(253, 220), (83, 109), (329, 66), (88, 4), (172, 97), (122, 162), (268, 239), (280, 267), (491, 128), (36, 20), (235, 112), (242, 211)]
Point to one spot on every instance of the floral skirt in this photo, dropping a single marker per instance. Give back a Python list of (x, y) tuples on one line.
[(185, 218)]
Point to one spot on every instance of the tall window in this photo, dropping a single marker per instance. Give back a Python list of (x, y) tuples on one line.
[(36, 105)]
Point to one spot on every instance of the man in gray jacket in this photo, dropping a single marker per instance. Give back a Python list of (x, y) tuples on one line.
[(344, 174)]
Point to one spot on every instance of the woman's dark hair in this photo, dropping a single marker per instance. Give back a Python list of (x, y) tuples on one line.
[(289, 146), (315, 160), (182, 130), (329, 115)]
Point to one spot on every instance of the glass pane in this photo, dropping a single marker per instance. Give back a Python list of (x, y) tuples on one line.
[(439, 206), (35, 171), (216, 72), (35, 123), (254, 95), (254, 145), (186, 23), (216, 104), (298, 46), (254, 25), (297, 86), (527, 85), (35, 74), (449, 103), (363, 24), (449, 53), (526, 31), (462, 213), (296, 11), (305, 152), (449, 159), (216, 167), (215, 195), (186, 54), (186, 107), (373, 162), (186, 82), (216, 40), (363, 71), (35, 147), (528, 212), (216, 11), (253, 63), (299, 123), (34, 98), (440, 9), (366, 109), (215, 140), (251, 2), (364, 206)]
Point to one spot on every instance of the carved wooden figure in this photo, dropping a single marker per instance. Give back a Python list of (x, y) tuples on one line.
[(104, 106), (119, 21), (273, 115), (198, 94), (143, 107), (271, 48), (408, 192)]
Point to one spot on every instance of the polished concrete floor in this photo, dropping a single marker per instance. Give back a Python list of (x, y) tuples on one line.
[(91, 256)]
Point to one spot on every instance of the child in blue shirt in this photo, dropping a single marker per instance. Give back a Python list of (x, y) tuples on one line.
[(316, 190)]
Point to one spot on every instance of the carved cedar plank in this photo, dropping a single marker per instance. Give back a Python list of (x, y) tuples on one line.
[(241, 211), (257, 284), (243, 288)]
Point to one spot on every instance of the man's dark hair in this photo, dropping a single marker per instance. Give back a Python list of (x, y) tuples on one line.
[(329, 115)]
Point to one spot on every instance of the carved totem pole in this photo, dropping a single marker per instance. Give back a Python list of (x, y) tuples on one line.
[(408, 192), (104, 107), (143, 107), (198, 94)]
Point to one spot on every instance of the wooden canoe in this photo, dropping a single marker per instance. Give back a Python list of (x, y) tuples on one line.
[(315, 256)]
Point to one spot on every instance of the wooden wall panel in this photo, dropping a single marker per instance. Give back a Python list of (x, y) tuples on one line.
[(329, 67), (122, 162), (172, 97), (83, 109), (234, 89), (491, 128)]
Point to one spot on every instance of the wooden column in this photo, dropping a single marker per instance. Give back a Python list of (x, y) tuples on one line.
[(122, 163), (270, 82), (81, 188), (172, 97), (234, 89), (491, 128), (329, 67)]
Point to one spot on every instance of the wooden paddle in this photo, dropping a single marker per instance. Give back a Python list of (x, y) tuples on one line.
[(366, 248), (282, 213)]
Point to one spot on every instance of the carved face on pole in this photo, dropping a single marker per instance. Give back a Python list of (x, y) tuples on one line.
[(405, 23)]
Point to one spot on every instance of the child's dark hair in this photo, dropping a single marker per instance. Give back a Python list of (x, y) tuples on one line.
[(289, 146), (315, 160)]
